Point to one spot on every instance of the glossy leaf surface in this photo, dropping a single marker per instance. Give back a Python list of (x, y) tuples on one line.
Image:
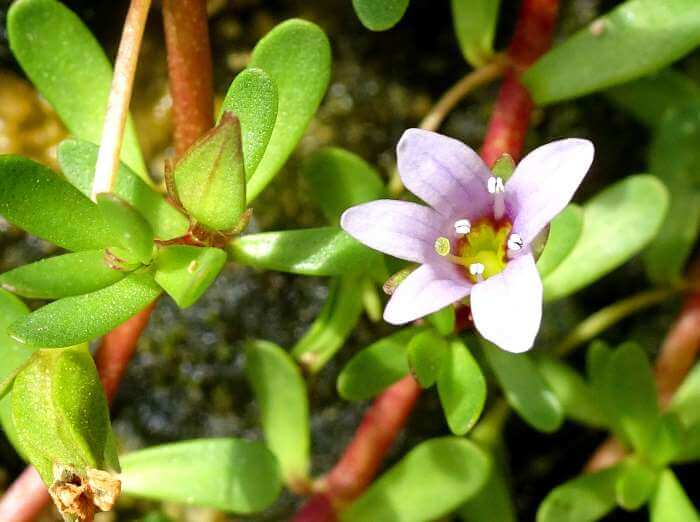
[(39, 201), (227, 474), (525, 388), (564, 231), (376, 367), (66, 323), (77, 159), (280, 392), (607, 52), (61, 276), (67, 65), (380, 15), (340, 179), (252, 97), (426, 354), (297, 56), (326, 251), (475, 26), (457, 468), (617, 224), (185, 272)]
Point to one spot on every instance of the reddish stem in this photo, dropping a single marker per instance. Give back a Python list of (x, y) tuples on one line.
[(189, 70), (387, 415)]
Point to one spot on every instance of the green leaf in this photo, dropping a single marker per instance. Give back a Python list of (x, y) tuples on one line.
[(326, 251), (338, 318), (426, 353), (617, 224), (669, 441), (597, 358), (475, 26), (576, 397), (380, 15), (210, 177), (61, 276), (297, 56), (525, 389), (67, 65), (443, 320), (670, 503), (185, 272), (462, 389), (686, 401), (77, 159), (650, 98), (635, 484), (227, 474), (129, 229), (340, 179), (81, 318), (252, 97), (56, 425), (583, 499), (628, 393), (36, 199), (14, 356), (376, 367), (493, 502), (280, 392), (607, 52), (564, 231), (675, 158), (456, 469)]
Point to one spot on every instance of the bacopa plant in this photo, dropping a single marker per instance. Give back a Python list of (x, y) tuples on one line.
[(473, 268)]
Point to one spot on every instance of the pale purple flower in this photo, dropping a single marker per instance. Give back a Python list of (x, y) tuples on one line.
[(474, 239)]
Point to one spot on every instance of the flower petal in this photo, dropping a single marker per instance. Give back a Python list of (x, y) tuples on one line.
[(444, 173), (507, 308), (398, 228), (428, 289), (544, 182)]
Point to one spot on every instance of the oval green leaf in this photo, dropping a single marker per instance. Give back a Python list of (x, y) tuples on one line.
[(340, 179), (38, 200), (280, 392), (67, 65), (297, 56), (331, 328), (462, 388), (78, 158), (564, 231), (380, 15), (427, 352), (228, 474), (376, 367), (326, 251), (456, 469), (582, 499), (82, 318), (252, 97), (61, 276), (617, 224), (635, 484), (475, 26), (607, 52), (129, 229), (185, 272), (525, 389), (675, 159)]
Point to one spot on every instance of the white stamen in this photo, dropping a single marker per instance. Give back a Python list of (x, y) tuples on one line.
[(515, 243), (477, 270), (442, 246), (495, 186), (462, 227)]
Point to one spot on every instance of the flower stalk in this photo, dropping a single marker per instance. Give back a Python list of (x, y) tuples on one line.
[(119, 98)]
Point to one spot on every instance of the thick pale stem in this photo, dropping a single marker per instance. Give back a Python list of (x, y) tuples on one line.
[(119, 98)]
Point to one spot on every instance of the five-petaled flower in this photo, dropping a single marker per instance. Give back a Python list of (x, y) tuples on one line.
[(476, 239)]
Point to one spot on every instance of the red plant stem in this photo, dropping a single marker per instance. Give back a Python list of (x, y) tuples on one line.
[(387, 415), (190, 73), (511, 115), (189, 70)]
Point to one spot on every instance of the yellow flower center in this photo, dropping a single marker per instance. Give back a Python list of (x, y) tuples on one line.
[(485, 245)]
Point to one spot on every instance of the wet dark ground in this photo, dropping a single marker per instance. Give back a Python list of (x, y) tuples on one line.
[(187, 380)]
